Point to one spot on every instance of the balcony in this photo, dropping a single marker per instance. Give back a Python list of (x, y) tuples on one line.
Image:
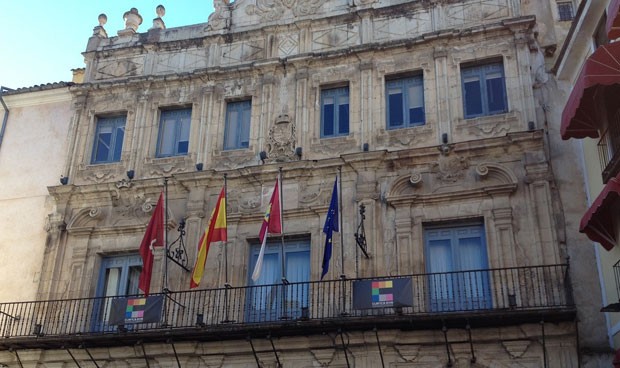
[(609, 152), (480, 298)]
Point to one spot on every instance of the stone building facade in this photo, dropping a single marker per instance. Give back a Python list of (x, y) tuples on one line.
[(427, 111)]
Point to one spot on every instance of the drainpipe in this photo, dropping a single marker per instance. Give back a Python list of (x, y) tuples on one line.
[(6, 113)]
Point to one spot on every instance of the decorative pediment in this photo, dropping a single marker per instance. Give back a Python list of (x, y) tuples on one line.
[(453, 179)]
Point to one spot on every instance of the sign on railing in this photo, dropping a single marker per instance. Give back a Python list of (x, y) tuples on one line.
[(397, 292), (126, 311)]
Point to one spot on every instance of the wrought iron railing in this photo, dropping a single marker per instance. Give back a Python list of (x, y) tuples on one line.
[(492, 290), (609, 151)]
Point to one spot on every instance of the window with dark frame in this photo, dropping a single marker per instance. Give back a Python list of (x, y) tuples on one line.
[(484, 90), (334, 112), (108, 144), (405, 102), (173, 137), (565, 11), (237, 129)]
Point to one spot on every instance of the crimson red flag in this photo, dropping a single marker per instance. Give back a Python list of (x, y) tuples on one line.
[(272, 224), (154, 237)]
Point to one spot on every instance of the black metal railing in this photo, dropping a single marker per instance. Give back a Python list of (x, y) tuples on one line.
[(491, 290), (609, 151)]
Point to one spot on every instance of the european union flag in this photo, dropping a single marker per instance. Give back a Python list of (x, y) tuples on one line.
[(331, 225)]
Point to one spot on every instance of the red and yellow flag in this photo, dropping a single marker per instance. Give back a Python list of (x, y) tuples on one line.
[(215, 231)]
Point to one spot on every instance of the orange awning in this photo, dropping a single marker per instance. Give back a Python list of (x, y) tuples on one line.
[(579, 118), (598, 221)]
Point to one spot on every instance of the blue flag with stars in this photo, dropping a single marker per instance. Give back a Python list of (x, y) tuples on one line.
[(331, 225)]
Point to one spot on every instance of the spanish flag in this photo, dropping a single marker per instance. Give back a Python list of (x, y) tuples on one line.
[(215, 231)]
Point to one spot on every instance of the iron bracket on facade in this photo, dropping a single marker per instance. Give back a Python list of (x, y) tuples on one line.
[(273, 347), (471, 344), (146, 359), (176, 251), (379, 346), (72, 356), (444, 329), (249, 338), (360, 233), (176, 356), (344, 347), (89, 355), (17, 356), (544, 343)]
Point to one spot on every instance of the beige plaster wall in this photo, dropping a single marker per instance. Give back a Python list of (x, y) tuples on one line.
[(31, 158)]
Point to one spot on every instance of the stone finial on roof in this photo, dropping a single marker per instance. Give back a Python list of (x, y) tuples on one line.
[(99, 31), (158, 23), (132, 19)]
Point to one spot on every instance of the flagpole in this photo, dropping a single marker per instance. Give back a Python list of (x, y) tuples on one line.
[(165, 282), (342, 275), (226, 284), (284, 279)]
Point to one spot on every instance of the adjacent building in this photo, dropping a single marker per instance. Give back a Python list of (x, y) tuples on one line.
[(33, 150), (589, 64), (453, 246)]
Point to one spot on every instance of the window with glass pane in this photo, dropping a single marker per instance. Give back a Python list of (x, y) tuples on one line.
[(119, 276), (484, 90), (173, 139), (405, 102), (108, 143), (237, 129), (334, 112), (456, 260), (565, 11), (268, 299)]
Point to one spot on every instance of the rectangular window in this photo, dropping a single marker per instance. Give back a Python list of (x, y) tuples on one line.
[(334, 112), (484, 90), (565, 11), (173, 138), (456, 260), (108, 140), (269, 299), (405, 102), (237, 129), (119, 276)]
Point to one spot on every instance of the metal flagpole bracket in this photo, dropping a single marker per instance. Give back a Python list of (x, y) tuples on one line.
[(176, 251), (360, 234)]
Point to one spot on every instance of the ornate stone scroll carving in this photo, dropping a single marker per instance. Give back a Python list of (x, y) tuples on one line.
[(281, 140)]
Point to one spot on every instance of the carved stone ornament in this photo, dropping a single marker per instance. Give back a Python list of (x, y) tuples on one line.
[(450, 168), (281, 141), (415, 179), (220, 18), (270, 10)]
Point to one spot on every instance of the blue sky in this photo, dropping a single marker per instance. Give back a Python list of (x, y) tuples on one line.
[(42, 40)]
